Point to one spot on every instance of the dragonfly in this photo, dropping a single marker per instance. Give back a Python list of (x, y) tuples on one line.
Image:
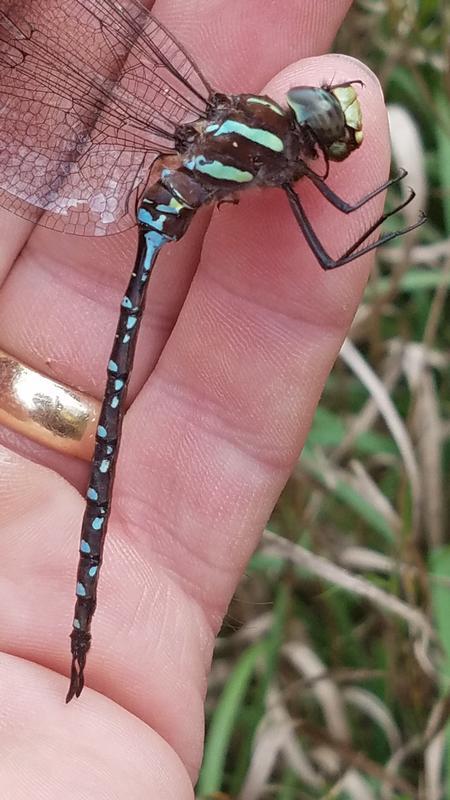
[(107, 123)]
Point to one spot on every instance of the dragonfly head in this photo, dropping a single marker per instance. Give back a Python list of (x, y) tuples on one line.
[(331, 115)]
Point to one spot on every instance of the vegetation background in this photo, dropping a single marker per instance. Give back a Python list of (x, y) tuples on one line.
[(331, 675)]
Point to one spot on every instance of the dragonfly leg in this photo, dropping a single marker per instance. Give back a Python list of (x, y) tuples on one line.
[(232, 199), (339, 203), (382, 218), (344, 84), (324, 259)]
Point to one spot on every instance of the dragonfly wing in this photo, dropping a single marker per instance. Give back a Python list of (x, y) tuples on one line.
[(90, 93)]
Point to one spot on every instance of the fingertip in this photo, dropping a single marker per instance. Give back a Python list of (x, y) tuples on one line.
[(366, 167), (327, 70), (338, 68)]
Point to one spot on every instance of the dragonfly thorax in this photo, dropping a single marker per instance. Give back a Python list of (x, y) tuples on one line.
[(245, 141), (250, 140)]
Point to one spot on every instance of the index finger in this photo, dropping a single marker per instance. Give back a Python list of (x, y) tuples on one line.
[(229, 404)]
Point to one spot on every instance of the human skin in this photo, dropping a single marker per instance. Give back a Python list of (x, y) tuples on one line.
[(218, 415)]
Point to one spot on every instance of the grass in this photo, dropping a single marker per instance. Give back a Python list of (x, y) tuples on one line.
[(332, 673)]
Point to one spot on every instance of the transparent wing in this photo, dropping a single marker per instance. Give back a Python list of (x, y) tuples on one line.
[(91, 92)]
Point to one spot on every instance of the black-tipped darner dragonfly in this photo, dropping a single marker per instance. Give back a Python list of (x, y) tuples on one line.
[(96, 91)]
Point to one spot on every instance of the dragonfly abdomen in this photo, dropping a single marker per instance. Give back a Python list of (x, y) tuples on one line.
[(163, 216)]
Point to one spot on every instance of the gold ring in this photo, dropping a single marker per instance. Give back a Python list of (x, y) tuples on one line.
[(45, 410)]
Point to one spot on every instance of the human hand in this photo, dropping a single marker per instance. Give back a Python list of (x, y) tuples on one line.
[(209, 440)]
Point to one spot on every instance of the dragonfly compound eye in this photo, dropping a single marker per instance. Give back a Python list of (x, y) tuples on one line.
[(332, 115)]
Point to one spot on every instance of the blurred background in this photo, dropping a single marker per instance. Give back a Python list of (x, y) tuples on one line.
[(331, 673)]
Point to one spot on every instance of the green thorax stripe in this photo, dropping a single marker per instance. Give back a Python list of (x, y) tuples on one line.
[(261, 101), (257, 135), (219, 171)]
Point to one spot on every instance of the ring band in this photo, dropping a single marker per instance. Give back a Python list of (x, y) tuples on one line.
[(45, 410)]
